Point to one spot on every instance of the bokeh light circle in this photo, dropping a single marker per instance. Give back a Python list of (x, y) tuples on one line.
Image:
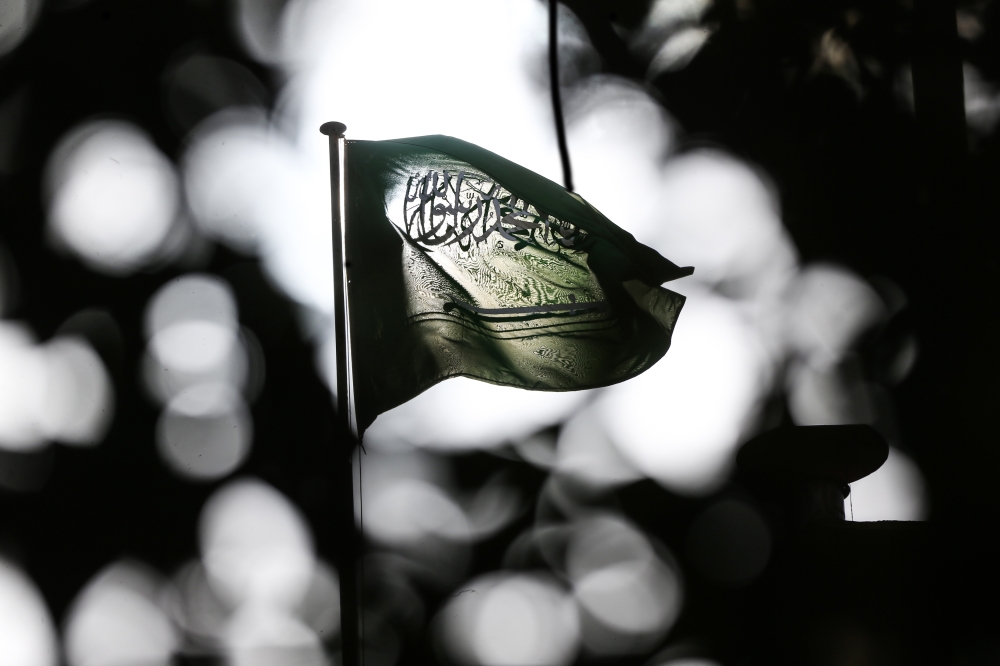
[(680, 421), (629, 591), (17, 18), (255, 546), (79, 394), (22, 389), (205, 432), (113, 196), (58, 391), (27, 637), (117, 619), (511, 620)]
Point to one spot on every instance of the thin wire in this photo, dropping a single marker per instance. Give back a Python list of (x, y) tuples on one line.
[(850, 494), (361, 558), (556, 97)]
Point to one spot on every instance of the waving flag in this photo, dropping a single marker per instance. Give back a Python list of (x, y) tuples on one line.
[(463, 263)]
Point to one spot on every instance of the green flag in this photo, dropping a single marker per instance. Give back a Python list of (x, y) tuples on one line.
[(463, 263)]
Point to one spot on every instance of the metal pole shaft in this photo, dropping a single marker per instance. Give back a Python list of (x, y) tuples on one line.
[(349, 583)]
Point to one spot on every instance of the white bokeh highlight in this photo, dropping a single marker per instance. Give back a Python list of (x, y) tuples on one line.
[(118, 619), (197, 363), (258, 595), (205, 432), (260, 635), (255, 546), (17, 18), (112, 196), (895, 491), (27, 636), (249, 187), (511, 619), (22, 388), (56, 391), (454, 415), (829, 308), (410, 501), (721, 216), (681, 421), (79, 394), (628, 593), (678, 50), (585, 451)]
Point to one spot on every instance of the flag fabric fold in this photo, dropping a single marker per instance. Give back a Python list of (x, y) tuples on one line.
[(463, 263)]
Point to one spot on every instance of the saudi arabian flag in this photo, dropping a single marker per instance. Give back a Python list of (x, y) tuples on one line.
[(463, 263)]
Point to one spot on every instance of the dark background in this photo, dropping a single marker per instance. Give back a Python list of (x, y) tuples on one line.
[(864, 182)]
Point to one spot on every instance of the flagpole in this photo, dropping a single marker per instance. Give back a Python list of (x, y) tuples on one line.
[(351, 539)]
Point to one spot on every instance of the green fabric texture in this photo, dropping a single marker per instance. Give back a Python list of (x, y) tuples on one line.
[(462, 263)]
